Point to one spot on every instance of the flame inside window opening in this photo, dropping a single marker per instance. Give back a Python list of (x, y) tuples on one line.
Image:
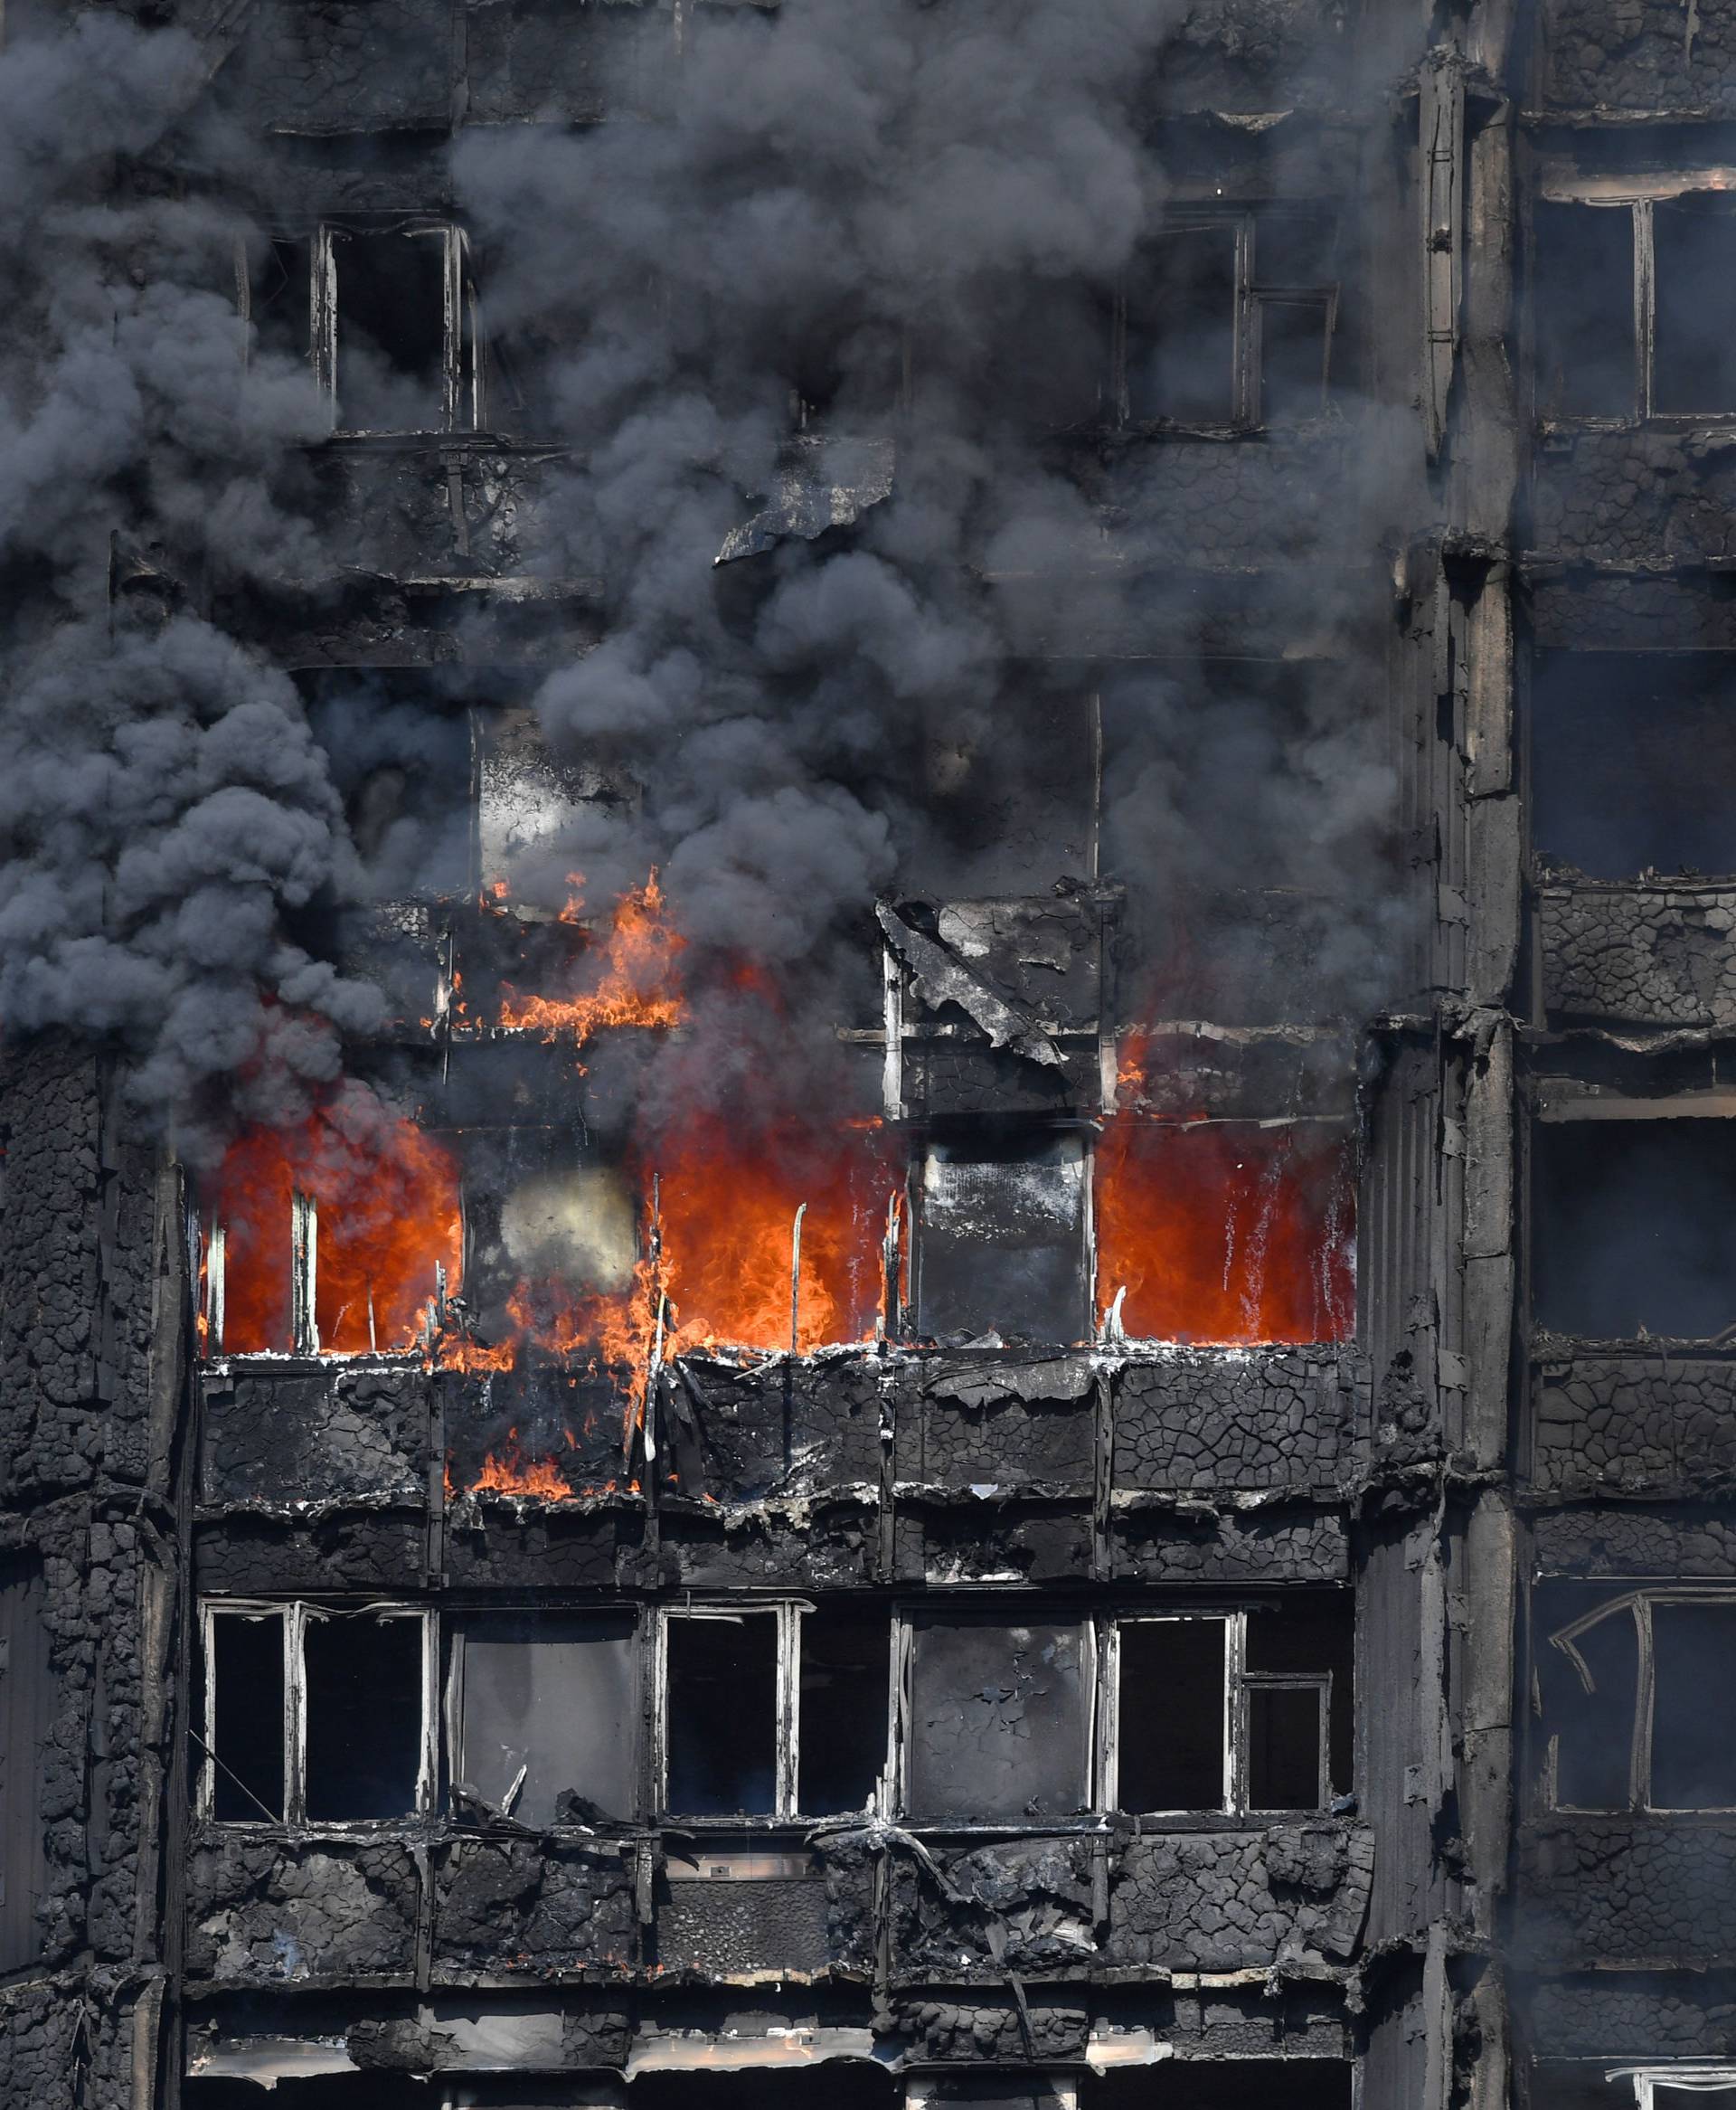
[(389, 1218), (728, 1200), (632, 966), (1226, 1232)]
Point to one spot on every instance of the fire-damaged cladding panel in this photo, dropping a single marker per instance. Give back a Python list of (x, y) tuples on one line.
[(1001, 1234), (1633, 1216), (734, 1435), (1620, 2082), (1652, 1420)]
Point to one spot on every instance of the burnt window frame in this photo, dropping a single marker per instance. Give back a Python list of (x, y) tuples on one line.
[(1249, 295), (1638, 198), (788, 1612), (1640, 1603), (1102, 1686), (463, 359), (1697, 2077), (293, 1614)]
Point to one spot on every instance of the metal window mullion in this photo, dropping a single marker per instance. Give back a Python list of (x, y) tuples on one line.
[(428, 1771), (1109, 1718), (1639, 1782), (453, 1705), (785, 1795), (1644, 307), (660, 1710), (452, 324), (898, 1715), (216, 1283), (207, 1791), (1121, 396), (304, 1273), (323, 316), (295, 1715), (1235, 1712), (1245, 380)]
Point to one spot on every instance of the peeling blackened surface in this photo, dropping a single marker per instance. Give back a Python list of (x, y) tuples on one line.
[(1659, 1423), (1645, 1890), (1025, 1906), (315, 1434), (1195, 1419), (507, 1907), (1636, 495), (470, 511), (337, 66), (1696, 1546), (1051, 2026), (996, 1422), (498, 1544), (810, 1924), (272, 1912), (1192, 1542), (1639, 2016), (347, 1548), (821, 1545), (1643, 55), (739, 1434), (1641, 956)]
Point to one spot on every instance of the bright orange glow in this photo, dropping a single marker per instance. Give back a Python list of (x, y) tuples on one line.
[(728, 1212), (635, 961), (1226, 1232), (387, 1197)]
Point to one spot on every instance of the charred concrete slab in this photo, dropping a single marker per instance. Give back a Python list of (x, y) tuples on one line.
[(1634, 496), (735, 1434), (344, 1547), (1694, 1544), (991, 1535), (772, 1914), (312, 1432), (505, 1908), (1632, 2015), (1647, 1422), (1189, 1419), (274, 1911), (999, 1421), (1639, 59), (460, 513), (1224, 1901), (825, 1543), (1166, 1539), (498, 1543), (1628, 1889), (1641, 956)]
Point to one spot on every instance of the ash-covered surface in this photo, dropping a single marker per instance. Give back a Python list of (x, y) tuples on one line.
[(1661, 957)]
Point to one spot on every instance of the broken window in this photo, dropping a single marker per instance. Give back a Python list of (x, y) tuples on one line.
[(997, 1728), (1226, 1231), (1605, 2084), (314, 1713), (1631, 755), (735, 1731), (1227, 321), (836, 2084), (334, 1238), (1635, 1225), (29, 1696), (543, 1715), (1634, 299), (1637, 1702), (1240, 1712), (1000, 1235), (1230, 2084), (387, 311)]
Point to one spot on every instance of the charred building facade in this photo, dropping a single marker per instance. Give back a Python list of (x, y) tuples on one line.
[(869, 992)]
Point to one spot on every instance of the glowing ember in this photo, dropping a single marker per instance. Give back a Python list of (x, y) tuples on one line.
[(729, 1205), (638, 982), (508, 1471), (386, 1194), (1227, 1232)]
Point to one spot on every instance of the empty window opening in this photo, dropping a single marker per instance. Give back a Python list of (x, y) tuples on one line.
[(351, 2091), (1583, 301), (1635, 1228), (1240, 1712), (364, 1711), (1637, 1699), (721, 1714), (1230, 2084), (1694, 274), (314, 1714), (1181, 327), (280, 299), (390, 319), (29, 1700), (1631, 755), (545, 1716), (845, 1669), (1001, 1237), (1226, 1231), (245, 1710), (998, 1728), (840, 2084), (1173, 1741)]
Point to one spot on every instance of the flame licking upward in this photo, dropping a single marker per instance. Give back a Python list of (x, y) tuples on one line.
[(637, 983)]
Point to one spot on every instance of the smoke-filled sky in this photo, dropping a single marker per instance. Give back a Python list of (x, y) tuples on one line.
[(914, 211)]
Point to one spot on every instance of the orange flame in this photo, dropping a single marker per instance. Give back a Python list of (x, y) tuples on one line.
[(387, 1197), (638, 983), (1228, 1232)]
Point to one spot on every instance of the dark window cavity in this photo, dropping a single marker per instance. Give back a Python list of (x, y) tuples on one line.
[(1635, 1228), (1632, 755), (1305, 1646), (1001, 1244), (28, 1698), (1180, 328), (1230, 2084), (280, 299), (245, 1709), (391, 319), (1694, 1706), (721, 1715), (844, 1672), (999, 1720), (547, 1716), (1172, 1717), (1583, 284), (363, 1709), (1694, 273)]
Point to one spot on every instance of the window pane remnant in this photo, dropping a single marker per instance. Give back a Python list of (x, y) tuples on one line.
[(363, 1716), (1227, 1232), (390, 331), (1582, 283), (842, 1721), (722, 1716), (1313, 1637), (1285, 1725), (1170, 1716), (1295, 341), (1693, 1708), (999, 1721), (246, 1674), (1635, 1228), (1001, 1237), (1590, 1733), (555, 1695), (1694, 246), (1182, 328)]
